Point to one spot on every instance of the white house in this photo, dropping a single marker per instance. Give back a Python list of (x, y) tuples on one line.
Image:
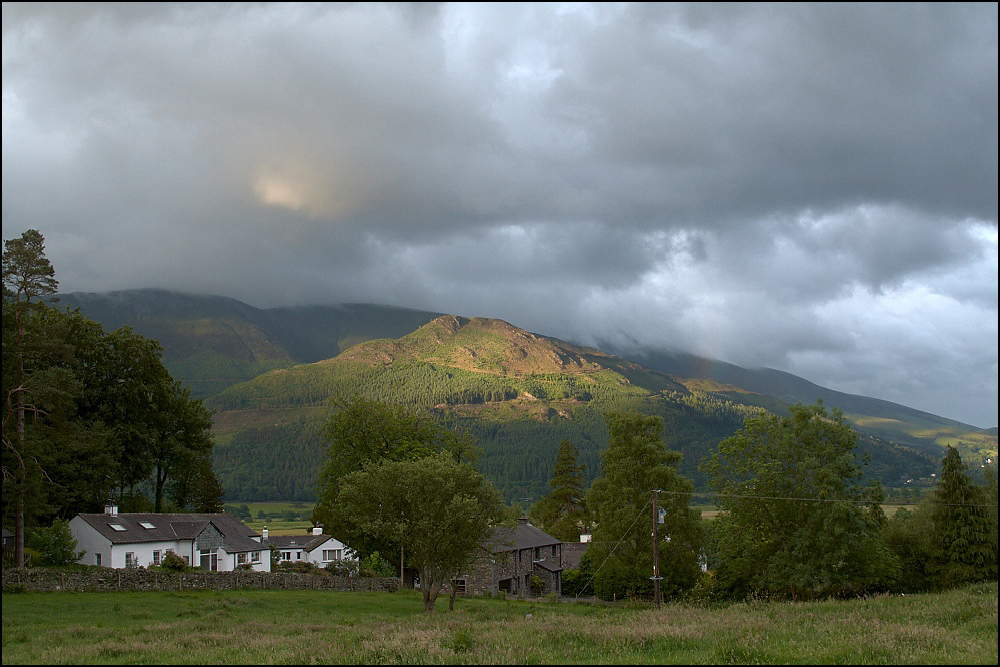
[(214, 541), (317, 548)]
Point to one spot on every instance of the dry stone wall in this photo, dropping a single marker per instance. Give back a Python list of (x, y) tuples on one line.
[(107, 579)]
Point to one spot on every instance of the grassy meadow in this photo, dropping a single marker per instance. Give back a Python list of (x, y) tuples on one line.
[(276, 526), (311, 627)]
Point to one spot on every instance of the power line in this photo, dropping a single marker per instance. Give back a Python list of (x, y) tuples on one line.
[(624, 535), (818, 500)]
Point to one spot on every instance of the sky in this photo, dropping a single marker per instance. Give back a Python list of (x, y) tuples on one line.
[(811, 188)]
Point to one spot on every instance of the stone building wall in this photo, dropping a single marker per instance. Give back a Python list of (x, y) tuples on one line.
[(572, 552)]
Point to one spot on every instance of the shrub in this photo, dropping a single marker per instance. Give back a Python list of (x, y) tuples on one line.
[(55, 545), (300, 567), (342, 568), (173, 562), (376, 566)]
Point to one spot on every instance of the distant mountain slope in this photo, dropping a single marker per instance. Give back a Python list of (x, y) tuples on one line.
[(213, 342), (518, 392), (897, 422)]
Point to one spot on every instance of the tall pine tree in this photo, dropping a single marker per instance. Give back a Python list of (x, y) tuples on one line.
[(965, 547), (27, 275), (563, 512), (635, 463)]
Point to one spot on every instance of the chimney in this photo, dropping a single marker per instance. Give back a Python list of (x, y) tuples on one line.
[(264, 534), (317, 530), (111, 507)]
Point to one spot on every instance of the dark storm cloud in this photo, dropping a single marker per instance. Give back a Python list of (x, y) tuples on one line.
[(811, 187)]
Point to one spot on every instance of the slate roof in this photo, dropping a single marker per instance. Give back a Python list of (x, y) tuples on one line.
[(544, 564), (237, 537), (304, 542), (521, 536)]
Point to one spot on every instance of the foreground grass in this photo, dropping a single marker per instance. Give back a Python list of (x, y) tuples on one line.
[(309, 627)]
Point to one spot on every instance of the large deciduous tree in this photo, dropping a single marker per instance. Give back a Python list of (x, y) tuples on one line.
[(362, 431), (620, 501), (437, 509), (796, 519)]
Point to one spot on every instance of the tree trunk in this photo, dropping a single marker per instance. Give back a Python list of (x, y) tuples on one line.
[(161, 479), (430, 589), (19, 516), (454, 593)]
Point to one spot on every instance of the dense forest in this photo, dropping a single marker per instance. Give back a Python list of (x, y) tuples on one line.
[(90, 414)]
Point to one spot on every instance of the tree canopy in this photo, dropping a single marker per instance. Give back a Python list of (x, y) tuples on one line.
[(88, 413), (964, 546), (437, 509), (620, 500), (362, 431), (796, 520), (563, 512)]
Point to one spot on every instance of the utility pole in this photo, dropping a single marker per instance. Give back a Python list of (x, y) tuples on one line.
[(656, 548)]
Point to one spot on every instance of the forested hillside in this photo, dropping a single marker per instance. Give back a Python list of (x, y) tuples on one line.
[(212, 342), (924, 431), (520, 394)]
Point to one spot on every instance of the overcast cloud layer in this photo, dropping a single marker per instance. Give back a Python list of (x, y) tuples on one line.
[(810, 188)]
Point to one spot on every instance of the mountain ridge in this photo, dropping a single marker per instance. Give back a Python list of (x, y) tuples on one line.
[(214, 343), (518, 393)]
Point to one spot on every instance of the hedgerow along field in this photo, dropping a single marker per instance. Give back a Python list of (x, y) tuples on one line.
[(310, 627)]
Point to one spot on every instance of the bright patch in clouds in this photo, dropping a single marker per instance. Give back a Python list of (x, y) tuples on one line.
[(810, 187)]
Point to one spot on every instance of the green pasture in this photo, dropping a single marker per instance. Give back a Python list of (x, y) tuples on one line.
[(712, 511), (278, 526), (309, 627)]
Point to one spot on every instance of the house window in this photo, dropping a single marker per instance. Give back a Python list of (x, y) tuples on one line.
[(97, 559), (117, 527), (554, 552), (156, 557), (147, 525), (130, 559), (286, 555), (298, 555), (331, 554), (538, 553), (255, 557), (241, 559)]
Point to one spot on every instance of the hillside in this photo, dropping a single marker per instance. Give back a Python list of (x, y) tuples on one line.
[(518, 392), (213, 342), (485, 374), (922, 430)]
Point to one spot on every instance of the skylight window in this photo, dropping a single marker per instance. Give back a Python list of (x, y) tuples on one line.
[(147, 525), (117, 526)]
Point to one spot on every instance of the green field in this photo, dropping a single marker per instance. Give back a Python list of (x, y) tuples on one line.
[(276, 526), (308, 627)]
